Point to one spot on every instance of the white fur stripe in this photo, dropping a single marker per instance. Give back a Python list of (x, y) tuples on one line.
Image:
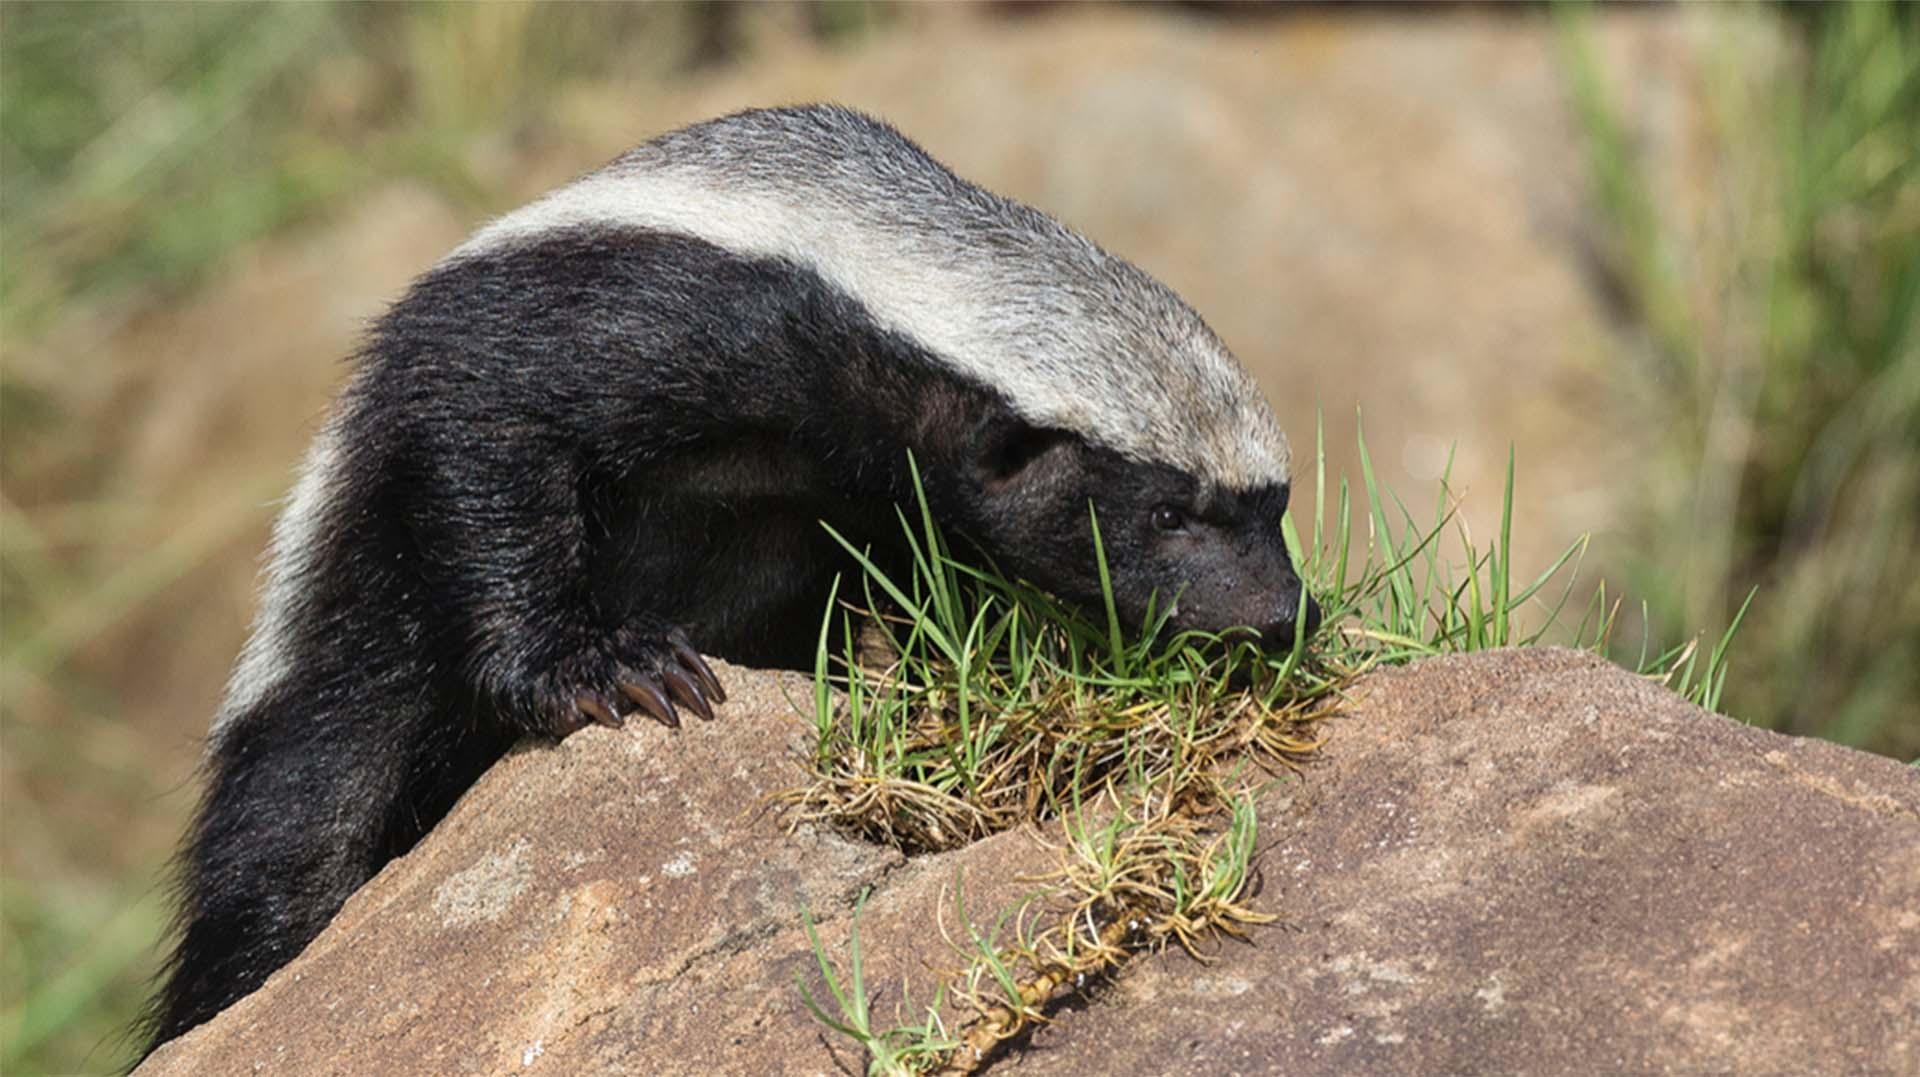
[(1075, 338), (267, 655), (931, 302)]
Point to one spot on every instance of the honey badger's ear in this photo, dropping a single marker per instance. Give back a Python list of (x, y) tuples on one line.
[(1008, 449)]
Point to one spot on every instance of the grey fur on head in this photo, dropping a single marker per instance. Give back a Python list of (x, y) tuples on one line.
[(1076, 338)]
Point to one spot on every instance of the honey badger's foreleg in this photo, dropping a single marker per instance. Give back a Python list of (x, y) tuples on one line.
[(500, 486), (520, 545)]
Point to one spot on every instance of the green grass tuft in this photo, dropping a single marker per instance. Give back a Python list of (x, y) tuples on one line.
[(900, 1049)]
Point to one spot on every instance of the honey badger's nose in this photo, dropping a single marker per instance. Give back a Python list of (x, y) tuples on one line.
[(1296, 607)]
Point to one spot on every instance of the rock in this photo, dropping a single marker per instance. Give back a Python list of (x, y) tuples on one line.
[(1515, 861), (1533, 861)]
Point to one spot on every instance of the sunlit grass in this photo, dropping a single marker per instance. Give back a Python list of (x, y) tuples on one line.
[(895, 1049), (999, 701)]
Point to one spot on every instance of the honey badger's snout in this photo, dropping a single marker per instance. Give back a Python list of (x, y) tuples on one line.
[(1294, 611), (1211, 557), (1282, 604), (1243, 591)]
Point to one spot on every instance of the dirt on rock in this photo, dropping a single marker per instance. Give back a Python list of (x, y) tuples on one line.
[(1525, 861)]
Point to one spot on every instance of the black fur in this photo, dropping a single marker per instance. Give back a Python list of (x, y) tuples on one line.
[(554, 455)]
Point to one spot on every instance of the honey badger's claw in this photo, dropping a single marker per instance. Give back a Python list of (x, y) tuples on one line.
[(685, 690), (691, 659), (641, 669), (651, 699), (592, 706)]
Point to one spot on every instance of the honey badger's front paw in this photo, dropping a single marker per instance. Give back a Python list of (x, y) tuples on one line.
[(654, 672)]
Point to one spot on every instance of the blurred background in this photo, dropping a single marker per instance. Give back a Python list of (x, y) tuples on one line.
[(1671, 256)]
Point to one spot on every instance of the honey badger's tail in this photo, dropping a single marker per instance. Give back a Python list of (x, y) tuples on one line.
[(307, 798)]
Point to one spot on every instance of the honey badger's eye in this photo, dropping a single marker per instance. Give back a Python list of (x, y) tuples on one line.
[(1168, 518)]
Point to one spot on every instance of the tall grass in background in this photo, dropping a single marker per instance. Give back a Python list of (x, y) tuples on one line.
[(142, 141), (1778, 285)]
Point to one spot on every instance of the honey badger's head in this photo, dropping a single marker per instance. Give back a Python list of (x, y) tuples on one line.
[(1116, 396), (1209, 553)]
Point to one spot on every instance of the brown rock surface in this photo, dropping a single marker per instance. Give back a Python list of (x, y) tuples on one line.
[(1523, 861)]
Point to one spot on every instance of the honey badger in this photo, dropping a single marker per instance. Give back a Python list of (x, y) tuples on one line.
[(600, 438)]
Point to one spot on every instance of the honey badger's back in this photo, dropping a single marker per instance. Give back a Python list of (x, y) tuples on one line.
[(1076, 338), (621, 413)]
